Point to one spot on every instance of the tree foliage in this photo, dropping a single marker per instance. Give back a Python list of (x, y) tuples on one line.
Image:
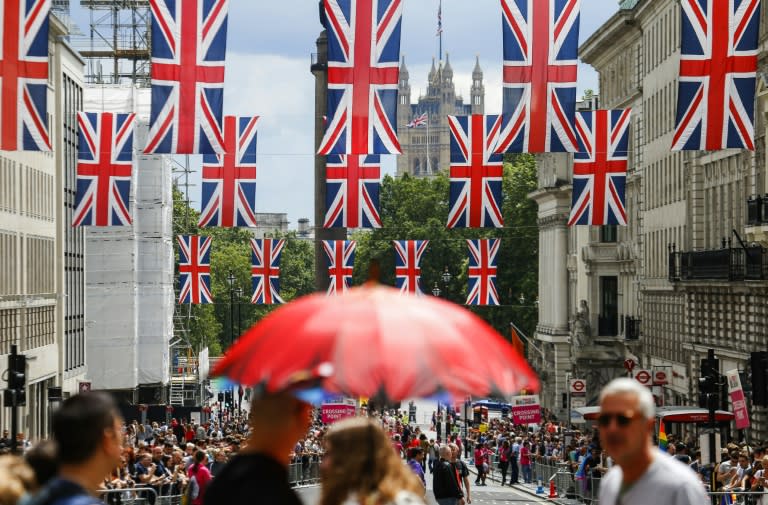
[(216, 325), (417, 209)]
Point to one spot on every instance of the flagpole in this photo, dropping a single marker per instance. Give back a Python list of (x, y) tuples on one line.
[(527, 339), (440, 27)]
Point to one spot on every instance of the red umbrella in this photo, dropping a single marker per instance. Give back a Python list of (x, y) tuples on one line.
[(375, 342)]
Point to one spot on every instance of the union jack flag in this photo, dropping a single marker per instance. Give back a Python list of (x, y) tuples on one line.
[(418, 121), (104, 164), (341, 264), (363, 70), (194, 269), (718, 66), (229, 180), (352, 191), (189, 43), (476, 172), (265, 270), (482, 272), (600, 168), (540, 54), (24, 75), (408, 265)]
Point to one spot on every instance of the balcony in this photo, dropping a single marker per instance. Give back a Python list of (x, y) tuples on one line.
[(631, 328), (727, 264)]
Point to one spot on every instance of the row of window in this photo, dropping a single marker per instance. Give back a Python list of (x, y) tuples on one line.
[(659, 111), (29, 328), (664, 181), (26, 190), (662, 37), (33, 257), (725, 207), (663, 333), (657, 253)]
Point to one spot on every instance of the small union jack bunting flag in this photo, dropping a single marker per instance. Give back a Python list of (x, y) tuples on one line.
[(104, 164), (718, 68), (265, 271), (24, 75), (229, 180), (600, 168), (341, 264), (194, 269), (352, 191), (363, 70), (541, 50), (189, 44), (476, 172), (408, 265), (482, 272)]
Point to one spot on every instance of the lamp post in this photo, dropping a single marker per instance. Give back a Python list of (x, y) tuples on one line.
[(231, 280), (466, 426), (436, 290)]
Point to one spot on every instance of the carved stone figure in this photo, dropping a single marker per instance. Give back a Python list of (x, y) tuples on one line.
[(581, 332)]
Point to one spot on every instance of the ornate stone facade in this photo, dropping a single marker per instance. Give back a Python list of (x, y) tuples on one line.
[(641, 306)]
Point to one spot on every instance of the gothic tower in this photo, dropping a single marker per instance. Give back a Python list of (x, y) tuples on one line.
[(477, 98)]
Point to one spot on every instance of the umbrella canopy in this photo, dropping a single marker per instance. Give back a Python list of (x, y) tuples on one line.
[(375, 342)]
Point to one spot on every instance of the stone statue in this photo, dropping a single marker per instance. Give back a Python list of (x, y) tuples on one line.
[(581, 333)]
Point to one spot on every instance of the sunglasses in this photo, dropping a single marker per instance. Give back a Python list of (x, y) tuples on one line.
[(622, 420)]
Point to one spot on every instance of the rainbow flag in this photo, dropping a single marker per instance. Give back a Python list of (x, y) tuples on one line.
[(662, 437)]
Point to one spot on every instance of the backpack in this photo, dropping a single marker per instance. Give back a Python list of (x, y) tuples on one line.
[(193, 489)]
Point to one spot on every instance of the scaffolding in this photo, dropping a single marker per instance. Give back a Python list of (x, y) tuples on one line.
[(117, 48)]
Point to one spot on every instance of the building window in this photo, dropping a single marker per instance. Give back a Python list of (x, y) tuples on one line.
[(609, 306), (609, 234)]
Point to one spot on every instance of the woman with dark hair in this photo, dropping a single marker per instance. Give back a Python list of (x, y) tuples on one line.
[(504, 451), (360, 467), (202, 476)]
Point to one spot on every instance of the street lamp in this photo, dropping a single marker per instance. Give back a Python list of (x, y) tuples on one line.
[(231, 280), (522, 299), (436, 290), (446, 276)]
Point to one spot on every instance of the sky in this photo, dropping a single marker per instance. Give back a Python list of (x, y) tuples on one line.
[(269, 45)]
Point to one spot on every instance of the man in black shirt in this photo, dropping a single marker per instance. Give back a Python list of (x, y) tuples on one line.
[(259, 473), (445, 481)]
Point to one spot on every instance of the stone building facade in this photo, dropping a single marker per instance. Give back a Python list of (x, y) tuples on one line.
[(689, 272), (42, 258), (427, 149)]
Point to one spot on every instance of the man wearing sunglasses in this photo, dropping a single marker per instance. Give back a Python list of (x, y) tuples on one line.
[(641, 473)]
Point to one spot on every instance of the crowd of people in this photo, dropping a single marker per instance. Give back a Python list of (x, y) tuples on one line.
[(383, 453)]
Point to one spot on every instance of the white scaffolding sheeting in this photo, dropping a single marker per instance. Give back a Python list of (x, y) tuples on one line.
[(129, 270)]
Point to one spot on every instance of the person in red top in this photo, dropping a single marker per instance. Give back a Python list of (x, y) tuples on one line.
[(202, 475), (189, 434), (525, 461), (480, 465)]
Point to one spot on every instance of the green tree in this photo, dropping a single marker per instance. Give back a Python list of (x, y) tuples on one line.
[(215, 325)]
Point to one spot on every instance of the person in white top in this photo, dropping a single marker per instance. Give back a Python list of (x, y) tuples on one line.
[(640, 470)]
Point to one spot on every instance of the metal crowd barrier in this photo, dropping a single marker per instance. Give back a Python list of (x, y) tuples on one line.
[(300, 475), (736, 497), (129, 496)]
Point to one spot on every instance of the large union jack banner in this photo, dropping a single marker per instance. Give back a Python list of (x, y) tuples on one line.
[(24, 75), (600, 168), (265, 271), (352, 191), (189, 44), (481, 289), (104, 164), (541, 40), (718, 65), (194, 269), (363, 69), (408, 265), (341, 264), (476, 172), (229, 180)]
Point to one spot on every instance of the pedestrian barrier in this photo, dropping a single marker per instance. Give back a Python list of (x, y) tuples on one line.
[(736, 497), (304, 474), (130, 496)]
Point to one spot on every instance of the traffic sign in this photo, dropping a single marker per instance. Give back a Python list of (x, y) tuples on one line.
[(84, 386), (578, 386), (629, 364), (660, 378), (643, 377)]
